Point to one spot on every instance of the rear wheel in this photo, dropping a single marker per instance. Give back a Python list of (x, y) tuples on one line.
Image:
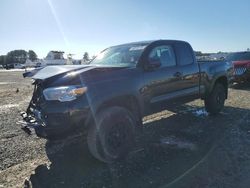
[(214, 103), (112, 136)]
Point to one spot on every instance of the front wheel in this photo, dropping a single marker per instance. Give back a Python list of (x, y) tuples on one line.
[(112, 135), (214, 103)]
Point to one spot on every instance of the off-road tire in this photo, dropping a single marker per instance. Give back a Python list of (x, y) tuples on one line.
[(214, 103), (112, 136)]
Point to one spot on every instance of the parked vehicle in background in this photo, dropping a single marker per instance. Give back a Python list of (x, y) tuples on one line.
[(38, 65), (19, 66), (1, 67), (9, 66), (241, 64), (108, 98)]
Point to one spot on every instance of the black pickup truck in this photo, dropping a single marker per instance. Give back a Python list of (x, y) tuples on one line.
[(108, 97)]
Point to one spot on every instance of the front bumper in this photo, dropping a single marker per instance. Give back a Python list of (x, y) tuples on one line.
[(54, 119)]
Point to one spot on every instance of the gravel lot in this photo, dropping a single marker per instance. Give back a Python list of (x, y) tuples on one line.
[(183, 147)]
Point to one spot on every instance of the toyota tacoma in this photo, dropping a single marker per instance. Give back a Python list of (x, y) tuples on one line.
[(107, 98)]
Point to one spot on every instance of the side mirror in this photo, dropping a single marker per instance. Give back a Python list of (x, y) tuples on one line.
[(153, 63)]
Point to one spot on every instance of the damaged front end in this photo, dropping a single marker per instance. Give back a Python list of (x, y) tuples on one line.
[(32, 118), (59, 106)]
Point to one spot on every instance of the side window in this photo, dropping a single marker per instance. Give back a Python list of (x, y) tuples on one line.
[(184, 53), (164, 54)]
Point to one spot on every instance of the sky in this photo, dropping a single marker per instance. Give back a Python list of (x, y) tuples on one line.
[(77, 26)]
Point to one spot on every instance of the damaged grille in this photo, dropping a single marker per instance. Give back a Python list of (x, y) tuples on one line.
[(36, 100)]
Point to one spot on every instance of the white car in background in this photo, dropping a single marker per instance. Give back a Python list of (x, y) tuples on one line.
[(18, 66)]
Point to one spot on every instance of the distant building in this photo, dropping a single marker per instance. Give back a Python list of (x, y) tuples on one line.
[(55, 58), (52, 55), (52, 58)]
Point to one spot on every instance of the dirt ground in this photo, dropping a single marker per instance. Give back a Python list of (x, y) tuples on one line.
[(181, 147)]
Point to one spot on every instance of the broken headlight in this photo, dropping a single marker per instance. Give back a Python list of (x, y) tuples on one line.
[(64, 93)]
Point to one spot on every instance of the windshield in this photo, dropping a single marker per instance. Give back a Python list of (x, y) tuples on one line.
[(241, 56), (125, 55)]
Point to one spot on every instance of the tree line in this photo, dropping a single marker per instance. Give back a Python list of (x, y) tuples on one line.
[(20, 56), (17, 56)]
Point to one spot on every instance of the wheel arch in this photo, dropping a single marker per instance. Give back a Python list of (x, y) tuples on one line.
[(129, 102)]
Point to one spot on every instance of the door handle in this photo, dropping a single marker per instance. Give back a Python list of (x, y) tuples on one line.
[(177, 74)]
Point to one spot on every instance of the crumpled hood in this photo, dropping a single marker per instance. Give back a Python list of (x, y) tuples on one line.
[(50, 71)]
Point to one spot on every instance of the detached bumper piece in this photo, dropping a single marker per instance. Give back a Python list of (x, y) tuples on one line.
[(31, 124)]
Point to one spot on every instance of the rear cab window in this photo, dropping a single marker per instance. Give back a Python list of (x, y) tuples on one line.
[(184, 54)]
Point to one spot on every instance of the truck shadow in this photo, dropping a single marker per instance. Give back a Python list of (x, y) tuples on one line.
[(170, 145)]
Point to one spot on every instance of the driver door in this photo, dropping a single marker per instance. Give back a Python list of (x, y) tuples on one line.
[(161, 82)]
